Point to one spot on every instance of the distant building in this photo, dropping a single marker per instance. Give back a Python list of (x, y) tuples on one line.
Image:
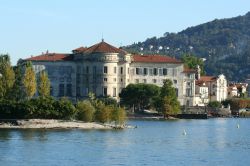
[(209, 88), (217, 87), (105, 70), (201, 94), (237, 89), (248, 87)]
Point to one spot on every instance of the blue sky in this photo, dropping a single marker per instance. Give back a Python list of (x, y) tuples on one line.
[(29, 27)]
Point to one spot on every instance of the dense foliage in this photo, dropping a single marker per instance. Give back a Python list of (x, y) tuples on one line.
[(7, 77), (214, 104), (225, 44), (139, 96), (43, 84), (167, 102), (18, 99), (192, 62), (85, 111), (44, 108), (147, 96), (237, 103)]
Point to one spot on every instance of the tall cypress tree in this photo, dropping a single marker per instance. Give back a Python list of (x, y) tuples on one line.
[(43, 85), (29, 81), (168, 99), (7, 76)]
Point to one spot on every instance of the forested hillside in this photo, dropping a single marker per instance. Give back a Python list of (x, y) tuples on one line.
[(224, 43)]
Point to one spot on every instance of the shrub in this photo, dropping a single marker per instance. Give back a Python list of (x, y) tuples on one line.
[(214, 104), (85, 111), (103, 113), (118, 115)]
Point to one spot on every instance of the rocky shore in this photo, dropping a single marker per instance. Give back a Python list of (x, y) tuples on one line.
[(54, 124)]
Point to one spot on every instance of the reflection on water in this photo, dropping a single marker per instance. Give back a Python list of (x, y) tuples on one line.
[(208, 142)]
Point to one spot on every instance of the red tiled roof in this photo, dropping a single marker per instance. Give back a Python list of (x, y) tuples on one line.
[(103, 47), (154, 59), (188, 70), (199, 82), (51, 57), (79, 50), (207, 78)]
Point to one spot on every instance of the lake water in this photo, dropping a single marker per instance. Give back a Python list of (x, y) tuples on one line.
[(154, 143)]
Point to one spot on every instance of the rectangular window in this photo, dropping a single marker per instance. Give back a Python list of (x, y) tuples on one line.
[(78, 69), (144, 81), (160, 72), (137, 71), (155, 72), (137, 81), (154, 81), (176, 92), (121, 70), (114, 79), (115, 70), (188, 92), (105, 79), (87, 70), (165, 71), (105, 69), (145, 71), (69, 90), (128, 70), (114, 92), (61, 89), (94, 70), (121, 80), (105, 91), (175, 81), (78, 79), (174, 72), (150, 72), (78, 91)]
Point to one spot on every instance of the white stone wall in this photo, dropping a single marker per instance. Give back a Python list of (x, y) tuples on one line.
[(141, 73), (201, 97)]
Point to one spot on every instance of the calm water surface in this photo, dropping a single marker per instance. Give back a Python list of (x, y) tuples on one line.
[(155, 143)]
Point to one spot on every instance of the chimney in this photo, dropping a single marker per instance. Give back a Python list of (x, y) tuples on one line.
[(198, 73)]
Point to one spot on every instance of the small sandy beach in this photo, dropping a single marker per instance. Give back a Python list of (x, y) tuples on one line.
[(52, 124)]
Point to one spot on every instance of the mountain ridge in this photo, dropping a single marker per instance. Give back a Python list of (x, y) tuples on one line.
[(224, 43)]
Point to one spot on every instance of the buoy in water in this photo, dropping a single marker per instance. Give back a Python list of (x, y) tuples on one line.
[(184, 132), (238, 126)]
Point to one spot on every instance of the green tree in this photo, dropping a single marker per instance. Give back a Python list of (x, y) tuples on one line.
[(192, 61), (7, 76), (65, 108), (214, 104), (167, 102), (17, 91), (139, 95), (43, 85), (85, 111), (29, 81)]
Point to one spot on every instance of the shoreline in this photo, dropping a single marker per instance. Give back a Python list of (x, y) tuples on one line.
[(55, 124)]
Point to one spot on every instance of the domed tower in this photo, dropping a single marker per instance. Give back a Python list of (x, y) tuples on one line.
[(103, 70)]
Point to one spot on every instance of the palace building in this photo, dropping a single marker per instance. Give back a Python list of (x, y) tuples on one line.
[(105, 70)]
